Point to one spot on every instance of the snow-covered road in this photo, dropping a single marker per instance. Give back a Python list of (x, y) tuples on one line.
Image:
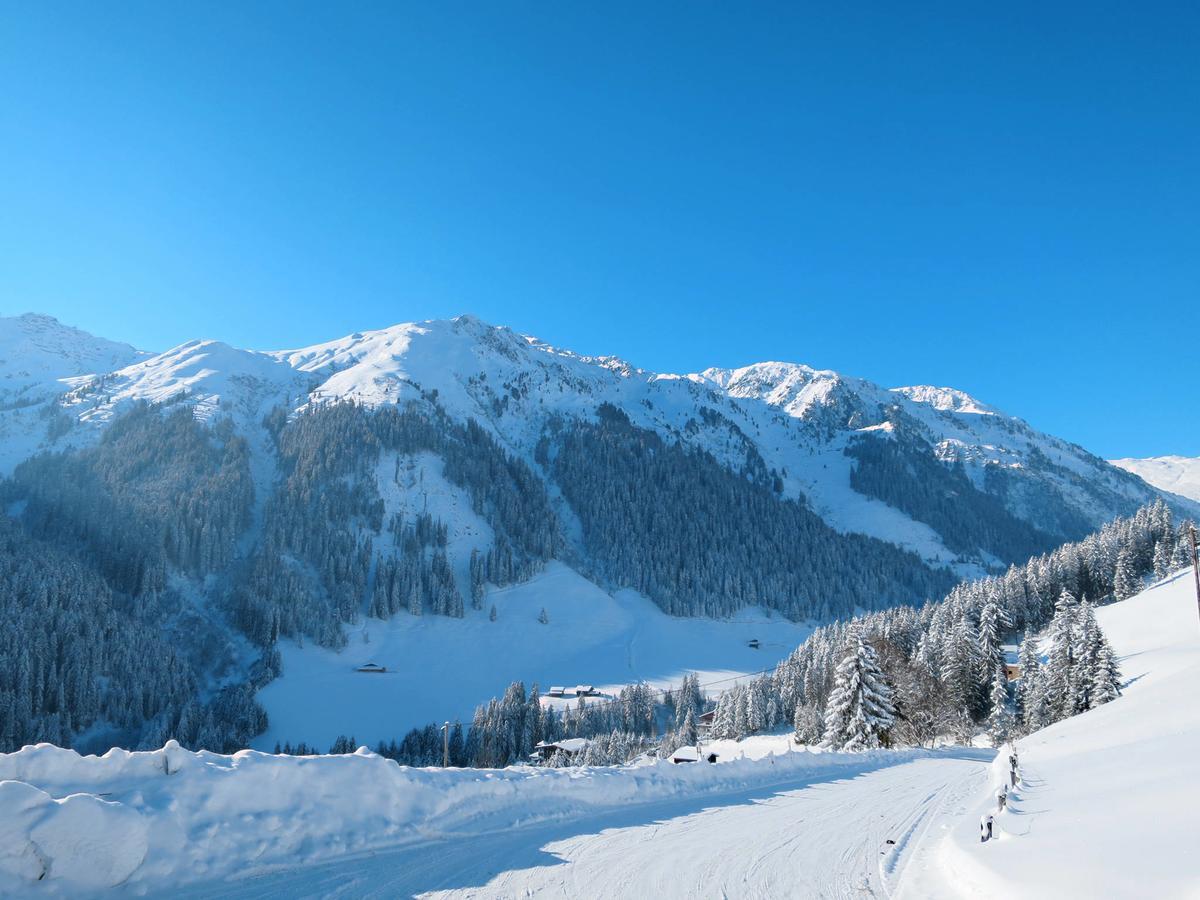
[(791, 839)]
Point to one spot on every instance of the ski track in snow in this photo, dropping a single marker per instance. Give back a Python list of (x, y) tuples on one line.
[(812, 840)]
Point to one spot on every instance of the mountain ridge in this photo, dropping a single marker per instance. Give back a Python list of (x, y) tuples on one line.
[(802, 422)]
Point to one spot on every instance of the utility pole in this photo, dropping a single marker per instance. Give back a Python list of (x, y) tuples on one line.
[(1196, 566), (446, 746)]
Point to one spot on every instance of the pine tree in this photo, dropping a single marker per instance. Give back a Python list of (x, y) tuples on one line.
[(1162, 559), (1086, 638), (991, 625), (686, 735), (807, 724), (543, 617), (960, 665), (492, 614), (1057, 675), (1000, 718), (1106, 675), (1125, 580), (859, 712), (1028, 687)]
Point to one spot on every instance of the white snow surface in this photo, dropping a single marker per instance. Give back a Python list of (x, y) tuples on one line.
[(151, 822), (39, 358), (440, 668), (1107, 802), (1104, 809), (1177, 474)]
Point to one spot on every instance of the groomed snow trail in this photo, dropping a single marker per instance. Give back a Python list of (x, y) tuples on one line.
[(825, 839)]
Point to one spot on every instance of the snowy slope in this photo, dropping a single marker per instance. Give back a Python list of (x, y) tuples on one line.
[(440, 667), (798, 420), (39, 359), (1177, 474), (37, 351), (1108, 803)]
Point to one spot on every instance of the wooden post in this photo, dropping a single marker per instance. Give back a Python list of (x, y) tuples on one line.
[(446, 746)]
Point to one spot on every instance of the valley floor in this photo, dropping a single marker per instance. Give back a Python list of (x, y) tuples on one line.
[(787, 839)]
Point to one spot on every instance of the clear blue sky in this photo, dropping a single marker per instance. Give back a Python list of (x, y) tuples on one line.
[(999, 197)]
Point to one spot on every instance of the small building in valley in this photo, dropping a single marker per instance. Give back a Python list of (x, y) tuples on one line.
[(568, 746)]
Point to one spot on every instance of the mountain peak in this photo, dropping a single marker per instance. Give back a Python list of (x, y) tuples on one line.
[(37, 351), (945, 399)]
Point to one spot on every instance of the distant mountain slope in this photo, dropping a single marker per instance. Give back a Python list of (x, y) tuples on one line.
[(1177, 474)]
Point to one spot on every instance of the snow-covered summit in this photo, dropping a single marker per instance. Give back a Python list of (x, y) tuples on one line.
[(38, 351), (945, 399), (792, 387), (211, 375), (1177, 474)]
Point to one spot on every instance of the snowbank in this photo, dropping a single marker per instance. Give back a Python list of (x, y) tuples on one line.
[(1106, 806), (150, 820)]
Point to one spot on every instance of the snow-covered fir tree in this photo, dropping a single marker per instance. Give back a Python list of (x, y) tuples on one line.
[(1000, 717), (859, 712)]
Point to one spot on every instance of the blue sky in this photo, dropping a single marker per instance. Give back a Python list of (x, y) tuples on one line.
[(1002, 198)]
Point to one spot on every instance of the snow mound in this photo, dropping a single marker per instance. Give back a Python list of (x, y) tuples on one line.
[(151, 821)]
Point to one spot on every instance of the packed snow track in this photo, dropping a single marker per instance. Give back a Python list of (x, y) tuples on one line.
[(789, 839)]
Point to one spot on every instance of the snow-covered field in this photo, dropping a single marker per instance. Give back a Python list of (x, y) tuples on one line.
[(442, 668), (1108, 803), (1105, 810)]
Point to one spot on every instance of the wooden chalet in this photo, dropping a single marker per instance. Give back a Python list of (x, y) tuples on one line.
[(570, 746)]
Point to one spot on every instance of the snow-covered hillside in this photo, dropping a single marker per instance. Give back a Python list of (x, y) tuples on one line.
[(1177, 474), (433, 663), (799, 421), (1107, 803), (39, 360)]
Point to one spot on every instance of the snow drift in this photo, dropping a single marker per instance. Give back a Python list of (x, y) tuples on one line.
[(149, 820)]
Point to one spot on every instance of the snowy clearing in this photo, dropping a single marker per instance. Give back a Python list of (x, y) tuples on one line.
[(440, 668)]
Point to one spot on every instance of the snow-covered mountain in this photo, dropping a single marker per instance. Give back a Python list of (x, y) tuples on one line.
[(281, 517), (818, 432), (37, 352), (39, 358), (1177, 474)]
